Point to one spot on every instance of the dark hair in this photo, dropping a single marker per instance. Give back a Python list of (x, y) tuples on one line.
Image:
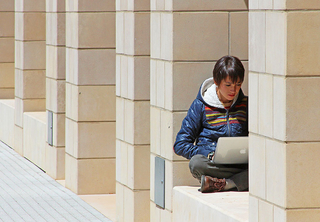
[(228, 66)]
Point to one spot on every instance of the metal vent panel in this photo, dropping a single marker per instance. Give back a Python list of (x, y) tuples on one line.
[(159, 188), (50, 128)]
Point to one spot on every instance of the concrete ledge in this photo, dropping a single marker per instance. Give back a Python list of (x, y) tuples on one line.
[(34, 137), (190, 205), (7, 121)]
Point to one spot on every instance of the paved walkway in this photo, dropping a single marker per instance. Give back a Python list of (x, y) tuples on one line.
[(28, 194)]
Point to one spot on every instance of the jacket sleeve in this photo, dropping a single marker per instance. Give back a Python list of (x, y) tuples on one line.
[(191, 127)]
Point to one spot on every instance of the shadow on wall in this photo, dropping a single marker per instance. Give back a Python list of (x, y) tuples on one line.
[(246, 1)]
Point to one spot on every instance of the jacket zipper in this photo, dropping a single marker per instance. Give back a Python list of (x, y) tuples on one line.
[(229, 132)]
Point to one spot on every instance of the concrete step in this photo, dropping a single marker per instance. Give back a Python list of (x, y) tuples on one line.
[(7, 121), (190, 205)]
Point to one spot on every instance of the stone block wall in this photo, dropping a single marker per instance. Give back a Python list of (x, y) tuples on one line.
[(284, 124), (90, 96), (77, 49), (30, 62), (7, 49), (186, 39), (7, 70), (133, 110), (55, 86)]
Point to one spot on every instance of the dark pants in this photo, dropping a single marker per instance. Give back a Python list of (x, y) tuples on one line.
[(200, 165)]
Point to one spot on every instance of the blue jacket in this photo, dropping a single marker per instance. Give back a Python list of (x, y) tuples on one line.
[(207, 120)]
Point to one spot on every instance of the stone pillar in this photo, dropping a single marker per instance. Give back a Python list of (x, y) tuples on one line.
[(7, 49), (284, 50), (90, 96), (55, 86), (187, 37), (133, 110), (30, 62)]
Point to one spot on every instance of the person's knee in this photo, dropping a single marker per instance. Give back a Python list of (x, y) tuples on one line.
[(196, 163), (196, 166)]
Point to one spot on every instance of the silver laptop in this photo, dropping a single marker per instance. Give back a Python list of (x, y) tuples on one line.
[(232, 150)]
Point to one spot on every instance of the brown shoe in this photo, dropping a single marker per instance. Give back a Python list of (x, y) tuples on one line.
[(210, 184)]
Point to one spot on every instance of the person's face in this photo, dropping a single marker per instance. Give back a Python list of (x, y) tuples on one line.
[(227, 90)]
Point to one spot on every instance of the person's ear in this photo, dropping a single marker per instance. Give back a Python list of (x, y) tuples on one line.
[(215, 82)]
